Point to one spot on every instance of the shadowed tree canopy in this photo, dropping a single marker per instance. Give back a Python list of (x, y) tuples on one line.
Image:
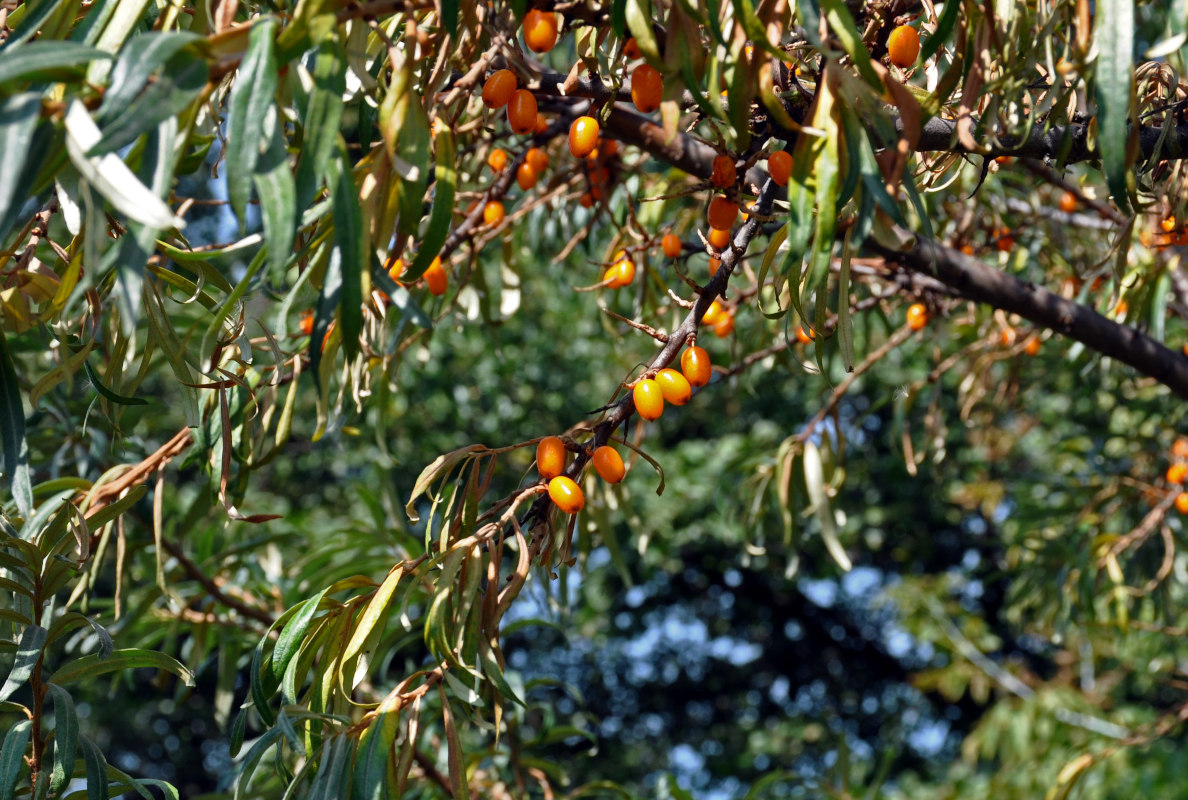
[(639, 398)]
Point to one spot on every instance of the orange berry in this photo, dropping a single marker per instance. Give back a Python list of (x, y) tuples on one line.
[(631, 49), (1177, 472), (586, 200), (493, 213), (671, 245), (649, 399), (723, 173), (540, 30), (724, 326), (695, 363), (779, 166), (521, 111), (1003, 241), (526, 176), (620, 274), (542, 124), (550, 457), (307, 322), (1032, 347), (722, 213), (583, 136), (714, 264), (903, 46), (646, 88), (967, 249), (608, 147), (1006, 337), (497, 160), (1179, 447), (718, 239), (396, 270), (566, 494), (436, 278), (538, 158), (1182, 502), (1003, 160), (499, 88), (1121, 309), (1068, 202), (674, 386), (802, 335), (1168, 224), (917, 316), (608, 464), (712, 314)]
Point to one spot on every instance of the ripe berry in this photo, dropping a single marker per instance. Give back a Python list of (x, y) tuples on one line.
[(712, 314), (802, 335), (779, 166), (671, 244), (526, 176), (723, 173), (646, 88), (583, 136), (396, 270), (631, 49), (540, 30), (1179, 447), (521, 112), (917, 316), (714, 264), (566, 494), (608, 464), (1068, 202), (542, 124), (436, 278), (307, 322), (718, 239), (695, 363), (903, 46), (550, 457), (649, 399), (608, 147), (1182, 502), (724, 326), (1006, 336), (1168, 224), (586, 200), (722, 213), (497, 160), (1177, 472), (1032, 347), (538, 158), (493, 213), (674, 386), (499, 88), (619, 274), (1003, 240)]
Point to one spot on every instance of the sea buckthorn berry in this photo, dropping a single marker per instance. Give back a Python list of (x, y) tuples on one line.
[(1176, 473), (542, 124), (695, 363), (674, 386), (1006, 336), (307, 322), (1121, 309), (917, 316), (712, 314), (583, 136), (1168, 224), (802, 335), (493, 213), (566, 494), (550, 457), (723, 173), (619, 274), (521, 111), (608, 464), (497, 160), (714, 264), (1179, 446), (396, 270), (722, 213), (649, 399), (499, 88), (1068, 202), (647, 87), (631, 49), (1182, 502), (718, 239), (1003, 240), (540, 30), (779, 166), (1002, 161), (903, 46), (436, 278), (526, 176), (1032, 347), (724, 326), (538, 158), (586, 200), (608, 147), (671, 245)]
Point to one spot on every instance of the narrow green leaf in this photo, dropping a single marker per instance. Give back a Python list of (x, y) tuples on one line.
[(247, 766), (842, 23), (814, 480), (27, 655), (944, 27), (238, 730), (113, 510), (96, 766), (46, 61), (445, 183), (454, 755), (293, 634), (371, 760), (92, 665), (350, 243), (12, 757), (320, 120), (639, 22), (845, 324), (248, 110), (440, 466), (12, 432), (449, 17), (180, 83), (370, 627), (331, 771), (1114, 77), (107, 393), (278, 202), (18, 121), (139, 58), (65, 738)]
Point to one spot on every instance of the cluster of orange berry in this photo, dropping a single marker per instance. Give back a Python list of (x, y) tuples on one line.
[(1177, 473), (551, 459), (1008, 335)]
